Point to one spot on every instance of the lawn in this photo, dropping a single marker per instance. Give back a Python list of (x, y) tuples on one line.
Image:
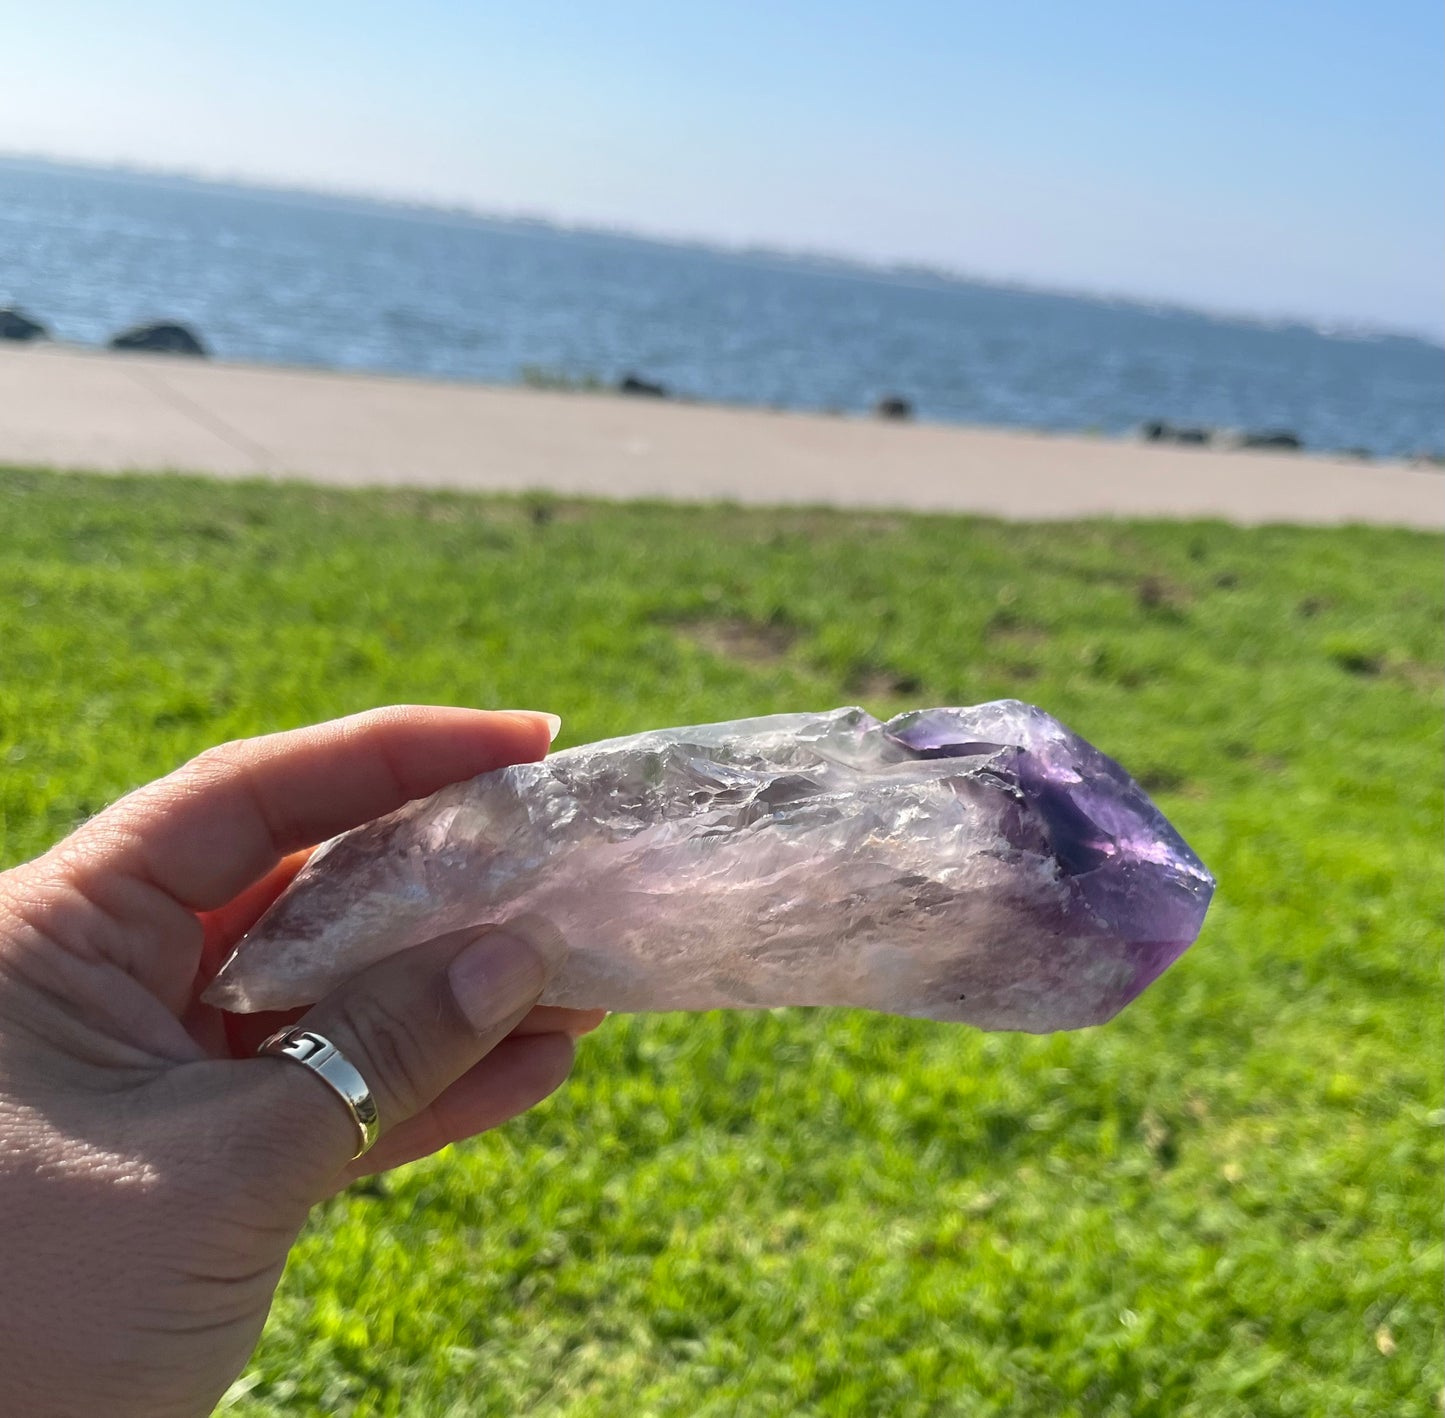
[(1226, 1202)]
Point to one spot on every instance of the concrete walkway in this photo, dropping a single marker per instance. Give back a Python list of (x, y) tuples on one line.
[(91, 409)]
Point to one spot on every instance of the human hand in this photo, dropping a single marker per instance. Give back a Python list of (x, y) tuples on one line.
[(153, 1172)]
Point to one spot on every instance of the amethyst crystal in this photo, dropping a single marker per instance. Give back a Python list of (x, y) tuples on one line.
[(982, 864)]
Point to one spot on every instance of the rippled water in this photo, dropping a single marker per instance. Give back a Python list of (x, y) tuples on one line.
[(314, 281)]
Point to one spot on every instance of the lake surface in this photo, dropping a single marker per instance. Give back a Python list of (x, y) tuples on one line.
[(305, 279)]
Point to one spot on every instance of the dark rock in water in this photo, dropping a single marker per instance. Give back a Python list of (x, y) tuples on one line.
[(1278, 438), (892, 407), (16, 325), (1157, 431), (634, 384), (164, 338)]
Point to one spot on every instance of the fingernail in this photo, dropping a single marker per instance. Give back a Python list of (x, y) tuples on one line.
[(495, 976), (552, 721), (542, 936)]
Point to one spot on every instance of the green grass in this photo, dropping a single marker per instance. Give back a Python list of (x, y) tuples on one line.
[(1226, 1202)]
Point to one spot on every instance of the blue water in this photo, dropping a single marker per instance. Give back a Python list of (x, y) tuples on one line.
[(309, 280)]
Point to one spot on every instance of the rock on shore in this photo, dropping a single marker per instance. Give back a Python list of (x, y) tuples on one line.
[(17, 325), (165, 337)]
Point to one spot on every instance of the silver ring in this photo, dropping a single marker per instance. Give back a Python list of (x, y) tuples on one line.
[(330, 1065)]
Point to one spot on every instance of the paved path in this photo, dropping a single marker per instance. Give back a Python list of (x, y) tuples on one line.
[(92, 409)]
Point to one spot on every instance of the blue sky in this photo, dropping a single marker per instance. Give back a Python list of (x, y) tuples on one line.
[(1273, 157)]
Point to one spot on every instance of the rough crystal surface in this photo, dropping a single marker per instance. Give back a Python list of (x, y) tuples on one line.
[(982, 864)]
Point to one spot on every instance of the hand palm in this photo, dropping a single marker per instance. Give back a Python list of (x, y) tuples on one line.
[(154, 1172)]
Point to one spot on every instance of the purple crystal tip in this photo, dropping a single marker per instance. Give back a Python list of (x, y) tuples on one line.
[(1126, 863)]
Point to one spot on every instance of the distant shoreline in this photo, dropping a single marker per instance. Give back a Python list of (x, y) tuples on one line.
[(1219, 440), (1228, 441), (916, 275)]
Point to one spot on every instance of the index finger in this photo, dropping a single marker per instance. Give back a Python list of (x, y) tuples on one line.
[(210, 829)]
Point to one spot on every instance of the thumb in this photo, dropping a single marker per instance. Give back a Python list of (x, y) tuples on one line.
[(413, 1024)]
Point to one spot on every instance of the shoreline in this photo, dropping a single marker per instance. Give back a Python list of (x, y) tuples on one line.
[(98, 410)]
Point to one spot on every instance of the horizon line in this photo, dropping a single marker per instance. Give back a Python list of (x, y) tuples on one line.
[(897, 270)]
